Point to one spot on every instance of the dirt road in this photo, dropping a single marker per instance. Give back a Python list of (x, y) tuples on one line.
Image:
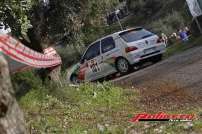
[(170, 84)]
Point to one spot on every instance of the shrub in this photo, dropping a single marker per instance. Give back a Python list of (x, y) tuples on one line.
[(51, 108), (168, 24), (25, 81)]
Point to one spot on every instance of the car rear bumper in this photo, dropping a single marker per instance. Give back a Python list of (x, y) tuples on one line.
[(140, 55)]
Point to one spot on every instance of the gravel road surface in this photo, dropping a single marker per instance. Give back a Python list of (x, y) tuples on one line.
[(176, 80)]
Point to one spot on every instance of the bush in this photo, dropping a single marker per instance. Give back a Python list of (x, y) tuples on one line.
[(25, 81), (51, 108), (69, 56), (161, 16), (169, 24)]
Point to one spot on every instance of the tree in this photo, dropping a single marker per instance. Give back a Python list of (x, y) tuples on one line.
[(11, 117), (55, 19), (16, 14), (74, 17)]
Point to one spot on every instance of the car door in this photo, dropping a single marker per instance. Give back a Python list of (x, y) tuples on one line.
[(109, 54), (92, 60)]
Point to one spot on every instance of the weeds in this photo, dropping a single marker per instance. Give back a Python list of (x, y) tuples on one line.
[(90, 108), (60, 110)]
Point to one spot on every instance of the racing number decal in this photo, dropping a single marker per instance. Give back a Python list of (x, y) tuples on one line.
[(94, 66)]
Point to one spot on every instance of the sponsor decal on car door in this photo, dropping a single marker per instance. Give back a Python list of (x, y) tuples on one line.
[(94, 66), (92, 59), (109, 51), (95, 70)]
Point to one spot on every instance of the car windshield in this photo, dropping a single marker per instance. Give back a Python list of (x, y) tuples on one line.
[(135, 34)]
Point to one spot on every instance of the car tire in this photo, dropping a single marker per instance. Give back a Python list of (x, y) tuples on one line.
[(123, 66)]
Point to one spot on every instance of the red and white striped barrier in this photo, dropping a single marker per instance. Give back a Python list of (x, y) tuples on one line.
[(50, 51), (20, 53)]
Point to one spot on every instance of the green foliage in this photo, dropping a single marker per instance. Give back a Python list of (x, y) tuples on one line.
[(16, 14), (97, 95), (181, 46), (25, 81), (69, 56), (160, 16), (75, 18), (51, 108), (145, 7), (169, 24)]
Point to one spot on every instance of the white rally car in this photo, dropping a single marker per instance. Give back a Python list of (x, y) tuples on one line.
[(118, 52)]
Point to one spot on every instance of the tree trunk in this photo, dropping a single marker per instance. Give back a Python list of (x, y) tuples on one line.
[(54, 74), (11, 117)]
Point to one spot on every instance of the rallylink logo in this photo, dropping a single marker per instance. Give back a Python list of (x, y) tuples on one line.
[(162, 117)]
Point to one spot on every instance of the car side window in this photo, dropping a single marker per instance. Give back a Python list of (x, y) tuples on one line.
[(93, 51), (107, 44)]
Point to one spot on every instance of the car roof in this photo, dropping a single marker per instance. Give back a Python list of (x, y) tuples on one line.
[(112, 35), (115, 34), (128, 29)]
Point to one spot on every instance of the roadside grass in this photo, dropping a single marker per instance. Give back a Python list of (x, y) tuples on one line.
[(94, 109), (182, 46)]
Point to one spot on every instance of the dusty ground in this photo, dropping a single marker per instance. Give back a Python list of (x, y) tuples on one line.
[(171, 84)]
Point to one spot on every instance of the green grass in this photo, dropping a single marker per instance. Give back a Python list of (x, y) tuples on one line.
[(76, 110), (92, 109), (183, 46)]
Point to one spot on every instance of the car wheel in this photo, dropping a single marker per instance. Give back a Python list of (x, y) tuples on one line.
[(123, 66), (74, 79)]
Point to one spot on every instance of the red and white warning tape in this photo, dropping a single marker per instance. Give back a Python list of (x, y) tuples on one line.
[(18, 52)]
